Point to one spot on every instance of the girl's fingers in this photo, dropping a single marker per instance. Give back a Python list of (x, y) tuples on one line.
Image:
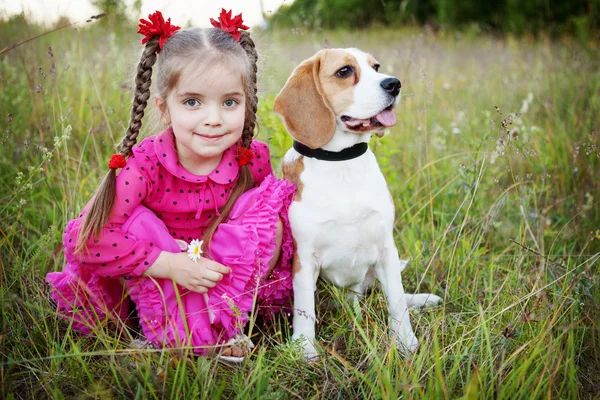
[(208, 283), (215, 266), (212, 276)]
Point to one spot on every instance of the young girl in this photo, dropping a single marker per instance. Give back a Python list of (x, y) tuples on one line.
[(201, 178)]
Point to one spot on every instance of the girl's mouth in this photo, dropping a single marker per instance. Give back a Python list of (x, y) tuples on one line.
[(211, 138)]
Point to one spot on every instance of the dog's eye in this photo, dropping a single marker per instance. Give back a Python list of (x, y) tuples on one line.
[(376, 67), (344, 72)]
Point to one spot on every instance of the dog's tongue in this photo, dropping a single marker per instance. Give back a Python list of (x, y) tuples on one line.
[(387, 118)]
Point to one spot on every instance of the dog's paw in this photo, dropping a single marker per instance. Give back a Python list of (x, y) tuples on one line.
[(308, 348), (407, 342), (419, 300), (310, 353)]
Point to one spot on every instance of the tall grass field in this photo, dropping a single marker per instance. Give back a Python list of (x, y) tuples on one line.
[(494, 168)]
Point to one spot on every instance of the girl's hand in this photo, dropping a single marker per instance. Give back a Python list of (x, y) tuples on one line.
[(197, 277)]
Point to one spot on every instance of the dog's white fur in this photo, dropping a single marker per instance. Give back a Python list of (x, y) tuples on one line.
[(342, 220)]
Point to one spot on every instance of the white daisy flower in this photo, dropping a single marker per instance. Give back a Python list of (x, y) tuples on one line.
[(195, 250)]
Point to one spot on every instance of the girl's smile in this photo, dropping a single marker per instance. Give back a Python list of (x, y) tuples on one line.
[(209, 137)]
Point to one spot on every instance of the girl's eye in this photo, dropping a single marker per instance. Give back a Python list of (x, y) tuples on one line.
[(344, 72), (376, 67), (192, 102), (230, 103)]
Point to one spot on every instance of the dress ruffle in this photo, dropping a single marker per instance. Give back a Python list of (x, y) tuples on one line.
[(253, 229)]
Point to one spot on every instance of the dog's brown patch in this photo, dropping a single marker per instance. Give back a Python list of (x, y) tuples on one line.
[(296, 266), (306, 114), (292, 172), (339, 92)]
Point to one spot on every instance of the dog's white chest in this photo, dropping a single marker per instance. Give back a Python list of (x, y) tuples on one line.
[(344, 215)]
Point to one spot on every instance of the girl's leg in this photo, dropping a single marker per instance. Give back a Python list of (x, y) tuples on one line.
[(170, 315), (277, 252)]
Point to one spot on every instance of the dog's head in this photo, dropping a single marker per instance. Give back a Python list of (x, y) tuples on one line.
[(337, 89)]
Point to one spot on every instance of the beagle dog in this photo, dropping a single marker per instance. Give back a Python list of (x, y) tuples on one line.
[(342, 215)]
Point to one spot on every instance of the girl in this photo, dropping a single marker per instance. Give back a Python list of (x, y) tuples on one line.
[(202, 177)]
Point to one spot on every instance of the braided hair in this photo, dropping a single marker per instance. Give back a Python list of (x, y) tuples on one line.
[(103, 201)]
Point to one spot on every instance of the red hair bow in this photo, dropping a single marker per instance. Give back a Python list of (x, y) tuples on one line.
[(157, 26), (244, 156), (230, 25), (117, 161)]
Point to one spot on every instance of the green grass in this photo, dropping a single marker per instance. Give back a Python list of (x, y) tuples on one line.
[(503, 225)]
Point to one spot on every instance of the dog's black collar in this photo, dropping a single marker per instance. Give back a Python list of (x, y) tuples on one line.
[(346, 154)]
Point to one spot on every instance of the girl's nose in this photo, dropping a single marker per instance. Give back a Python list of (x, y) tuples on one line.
[(213, 118)]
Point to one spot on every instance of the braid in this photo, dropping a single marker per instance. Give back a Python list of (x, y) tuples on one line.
[(143, 80), (103, 201), (252, 104)]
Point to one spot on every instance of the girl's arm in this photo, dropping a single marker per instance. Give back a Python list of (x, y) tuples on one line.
[(115, 253)]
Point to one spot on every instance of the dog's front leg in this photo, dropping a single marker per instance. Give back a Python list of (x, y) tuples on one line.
[(306, 274), (388, 273)]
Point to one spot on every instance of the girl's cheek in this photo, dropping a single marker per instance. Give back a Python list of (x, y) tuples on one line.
[(185, 118)]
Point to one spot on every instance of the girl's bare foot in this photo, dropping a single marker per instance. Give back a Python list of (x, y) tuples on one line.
[(234, 350)]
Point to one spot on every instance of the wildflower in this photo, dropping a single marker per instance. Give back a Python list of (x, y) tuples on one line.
[(19, 178), (67, 132), (195, 250), (46, 154)]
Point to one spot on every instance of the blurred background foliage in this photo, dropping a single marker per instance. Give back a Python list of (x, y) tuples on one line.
[(580, 17)]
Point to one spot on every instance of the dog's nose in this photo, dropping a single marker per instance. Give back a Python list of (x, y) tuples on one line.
[(391, 85)]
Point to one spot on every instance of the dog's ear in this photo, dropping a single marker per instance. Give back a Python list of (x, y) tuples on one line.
[(303, 106)]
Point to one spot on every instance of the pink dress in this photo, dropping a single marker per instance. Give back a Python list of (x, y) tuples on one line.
[(158, 201)]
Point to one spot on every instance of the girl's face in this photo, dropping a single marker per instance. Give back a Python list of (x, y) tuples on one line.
[(207, 111)]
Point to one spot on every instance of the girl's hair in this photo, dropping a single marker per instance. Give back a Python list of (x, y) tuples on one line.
[(207, 46)]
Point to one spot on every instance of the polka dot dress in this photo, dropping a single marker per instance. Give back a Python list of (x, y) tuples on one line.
[(158, 201)]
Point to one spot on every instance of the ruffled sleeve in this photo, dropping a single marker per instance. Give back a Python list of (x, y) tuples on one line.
[(115, 253), (260, 166)]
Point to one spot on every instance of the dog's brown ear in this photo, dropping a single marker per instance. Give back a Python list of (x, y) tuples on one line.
[(303, 106)]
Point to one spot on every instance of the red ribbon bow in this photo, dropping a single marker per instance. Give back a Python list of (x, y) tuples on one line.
[(244, 156), (117, 161), (230, 25), (157, 26)]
